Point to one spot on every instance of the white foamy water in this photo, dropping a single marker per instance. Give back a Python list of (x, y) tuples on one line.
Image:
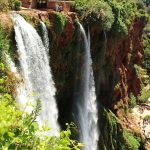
[(45, 36), (36, 73), (87, 108)]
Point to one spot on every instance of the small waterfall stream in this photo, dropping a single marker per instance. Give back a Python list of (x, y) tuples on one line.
[(36, 72), (87, 108), (45, 36)]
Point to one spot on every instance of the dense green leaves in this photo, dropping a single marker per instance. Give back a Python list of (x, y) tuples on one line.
[(60, 22), (131, 141), (4, 45), (95, 12), (113, 136), (146, 39), (118, 14)]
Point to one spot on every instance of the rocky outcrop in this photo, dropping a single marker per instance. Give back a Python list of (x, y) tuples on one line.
[(117, 77), (114, 61), (114, 58), (128, 53)]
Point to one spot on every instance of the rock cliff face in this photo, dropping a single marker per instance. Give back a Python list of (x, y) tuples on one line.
[(114, 61), (117, 59)]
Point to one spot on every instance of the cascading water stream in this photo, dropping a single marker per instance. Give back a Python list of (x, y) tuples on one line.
[(87, 107), (45, 36), (36, 73)]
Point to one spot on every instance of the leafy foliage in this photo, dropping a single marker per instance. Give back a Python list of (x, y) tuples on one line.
[(60, 22), (131, 141), (17, 5), (6, 5), (145, 92), (95, 12), (146, 41), (113, 136), (7, 43), (121, 11), (147, 118), (19, 130), (4, 44), (132, 101), (110, 13), (144, 96)]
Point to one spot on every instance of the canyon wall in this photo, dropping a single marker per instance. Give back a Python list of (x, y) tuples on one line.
[(114, 61)]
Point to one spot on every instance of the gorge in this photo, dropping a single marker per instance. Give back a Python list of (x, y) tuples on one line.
[(73, 80)]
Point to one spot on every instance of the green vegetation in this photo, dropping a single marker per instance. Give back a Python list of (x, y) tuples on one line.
[(17, 132), (145, 91), (113, 136), (146, 39), (6, 5), (17, 5), (132, 101), (142, 98), (131, 141), (4, 44), (7, 43), (147, 118), (145, 95), (59, 22), (95, 12), (114, 14)]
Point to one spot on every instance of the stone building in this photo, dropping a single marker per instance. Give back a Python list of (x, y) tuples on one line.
[(58, 5), (34, 3)]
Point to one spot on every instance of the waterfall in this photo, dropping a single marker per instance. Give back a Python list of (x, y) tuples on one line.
[(87, 107), (36, 73), (45, 36)]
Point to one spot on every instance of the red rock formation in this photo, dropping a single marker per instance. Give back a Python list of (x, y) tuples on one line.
[(123, 54), (128, 51)]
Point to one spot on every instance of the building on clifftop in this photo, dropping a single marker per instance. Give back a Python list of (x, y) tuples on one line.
[(57, 5)]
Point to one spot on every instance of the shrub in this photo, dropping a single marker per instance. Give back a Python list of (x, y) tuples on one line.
[(147, 117), (59, 22), (6, 5), (132, 101), (131, 141), (17, 5), (144, 96), (19, 130), (147, 59), (113, 136), (95, 12), (146, 41), (136, 69), (4, 44), (111, 13)]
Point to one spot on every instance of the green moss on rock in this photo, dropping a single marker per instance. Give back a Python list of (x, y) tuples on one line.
[(113, 136), (59, 22)]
